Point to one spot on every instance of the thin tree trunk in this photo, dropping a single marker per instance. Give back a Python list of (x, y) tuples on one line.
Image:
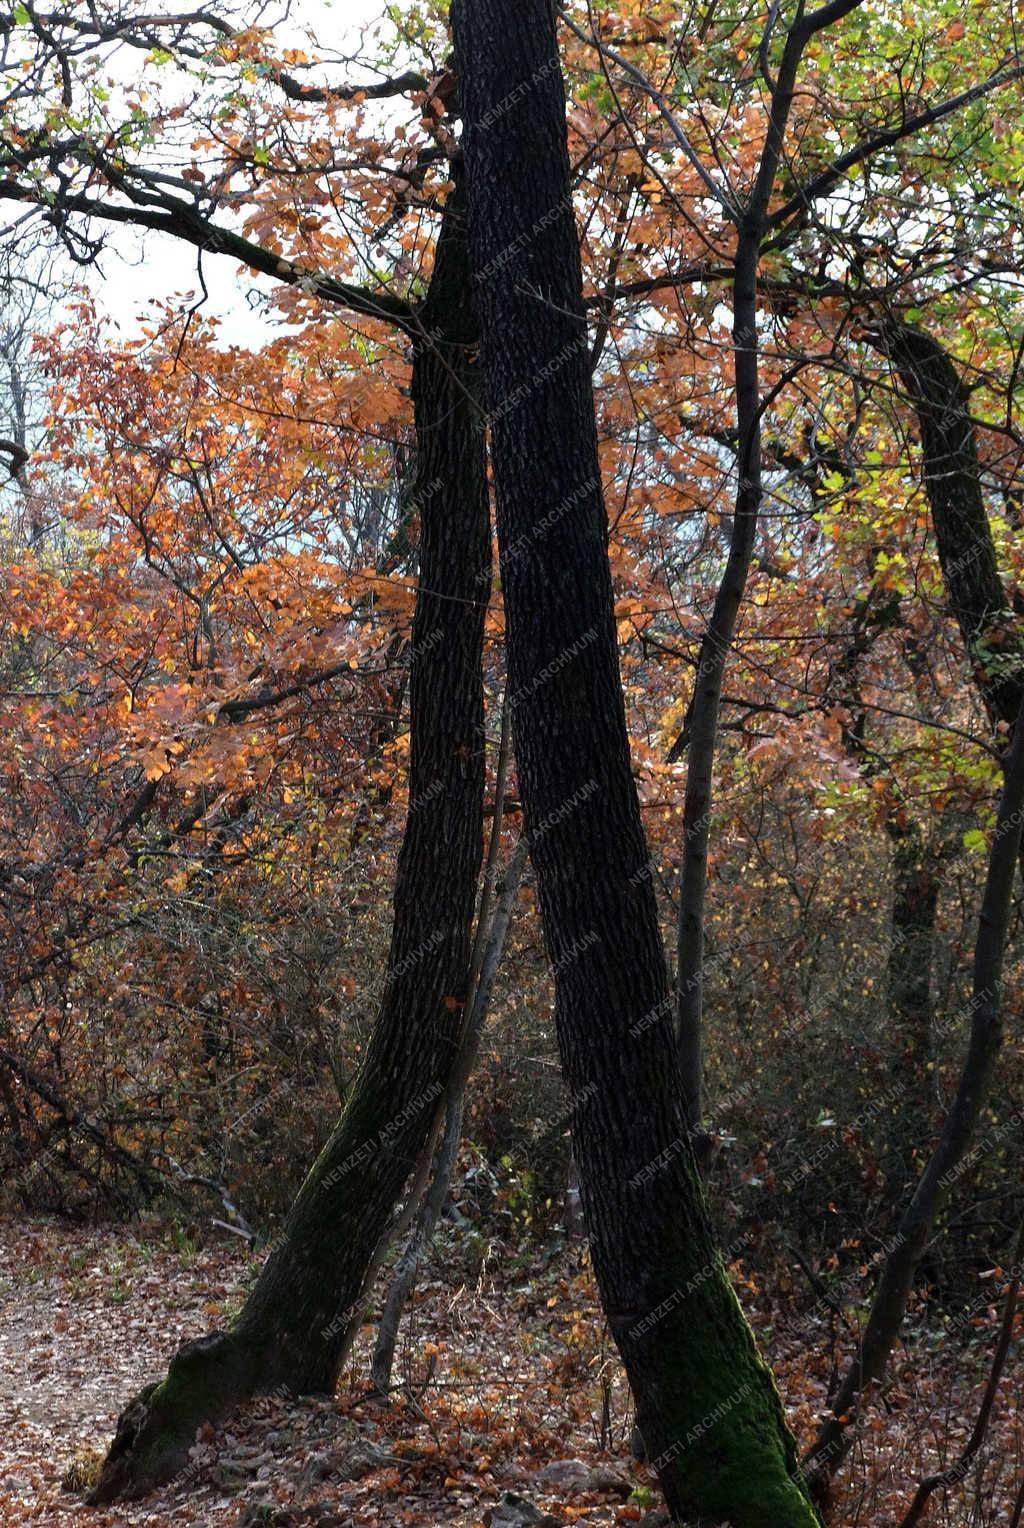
[(422, 1235), (751, 215), (707, 1403), (910, 1240), (915, 902), (488, 944), (707, 691), (977, 599), (297, 1324)]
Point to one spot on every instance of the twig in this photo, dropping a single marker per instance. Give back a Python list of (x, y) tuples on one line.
[(956, 1472), (240, 1225)]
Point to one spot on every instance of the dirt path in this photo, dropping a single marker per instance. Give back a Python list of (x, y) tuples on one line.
[(88, 1316)]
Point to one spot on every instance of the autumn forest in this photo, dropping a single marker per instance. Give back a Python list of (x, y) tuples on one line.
[(512, 764)]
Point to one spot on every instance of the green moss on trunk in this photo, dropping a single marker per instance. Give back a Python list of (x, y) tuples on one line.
[(158, 1427)]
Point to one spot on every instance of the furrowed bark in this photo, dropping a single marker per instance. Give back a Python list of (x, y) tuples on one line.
[(707, 1404), (299, 1320), (422, 1235)]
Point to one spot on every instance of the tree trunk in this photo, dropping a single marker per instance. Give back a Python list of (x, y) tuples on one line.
[(915, 902), (963, 536), (910, 1240), (750, 212), (422, 1235), (992, 638), (706, 1402), (298, 1322)]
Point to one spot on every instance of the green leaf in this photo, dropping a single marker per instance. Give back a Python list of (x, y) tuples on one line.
[(21, 15), (975, 840)]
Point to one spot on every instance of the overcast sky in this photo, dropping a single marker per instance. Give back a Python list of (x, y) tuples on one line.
[(136, 267)]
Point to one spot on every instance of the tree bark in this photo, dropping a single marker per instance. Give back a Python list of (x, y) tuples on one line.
[(299, 1320), (706, 1402), (422, 1234), (963, 536)]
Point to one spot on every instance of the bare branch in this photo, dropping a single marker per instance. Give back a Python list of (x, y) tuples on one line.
[(885, 138), (181, 220), (723, 198)]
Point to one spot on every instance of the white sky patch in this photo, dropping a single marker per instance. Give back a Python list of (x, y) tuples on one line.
[(139, 269)]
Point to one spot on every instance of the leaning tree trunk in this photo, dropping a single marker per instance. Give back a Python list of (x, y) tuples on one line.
[(707, 1404), (963, 536), (430, 1196), (425, 1225), (994, 645), (942, 1171), (297, 1324)]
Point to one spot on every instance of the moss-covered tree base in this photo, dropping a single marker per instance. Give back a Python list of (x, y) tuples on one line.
[(717, 1433), (155, 1431)]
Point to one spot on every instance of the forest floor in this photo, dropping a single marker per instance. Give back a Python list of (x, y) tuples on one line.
[(507, 1386)]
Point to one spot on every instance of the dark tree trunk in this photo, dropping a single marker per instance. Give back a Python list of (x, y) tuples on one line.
[(425, 1225), (961, 1122), (706, 1402), (298, 1322), (963, 536), (992, 639), (915, 902), (750, 211)]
